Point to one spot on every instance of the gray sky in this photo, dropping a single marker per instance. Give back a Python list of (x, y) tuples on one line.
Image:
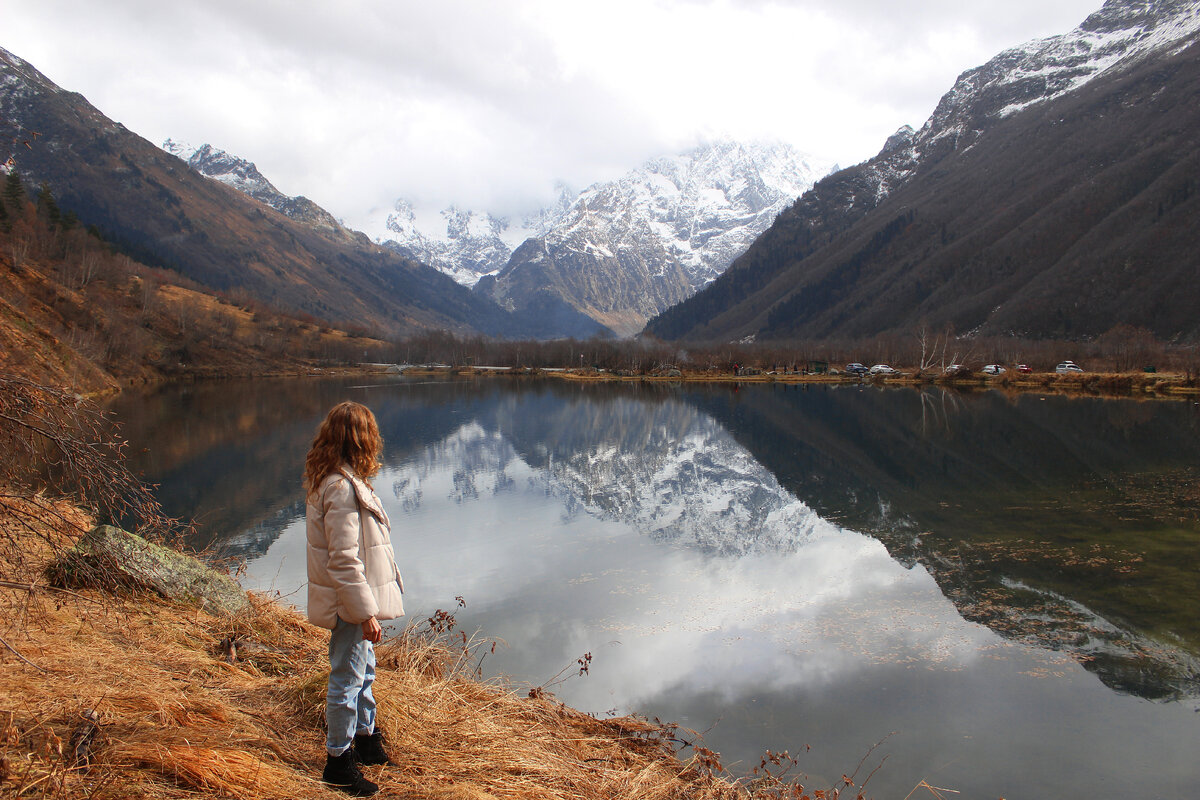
[(486, 103)]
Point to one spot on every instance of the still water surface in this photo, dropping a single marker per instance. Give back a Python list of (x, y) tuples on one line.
[(1008, 586)]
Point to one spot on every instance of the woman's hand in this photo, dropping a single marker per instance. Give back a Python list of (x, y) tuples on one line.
[(372, 631)]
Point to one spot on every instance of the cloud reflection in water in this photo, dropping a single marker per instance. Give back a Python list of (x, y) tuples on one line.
[(583, 552)]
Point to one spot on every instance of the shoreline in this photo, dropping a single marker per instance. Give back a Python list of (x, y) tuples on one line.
[(1138, 385), (113, 694)]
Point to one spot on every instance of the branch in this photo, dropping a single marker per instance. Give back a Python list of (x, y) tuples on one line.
[(23, 658), (29, 587)]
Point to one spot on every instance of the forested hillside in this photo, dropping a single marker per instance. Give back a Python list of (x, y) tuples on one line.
[(76, 312)]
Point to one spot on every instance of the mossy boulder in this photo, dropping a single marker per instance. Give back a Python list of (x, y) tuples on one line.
[(116, 560)]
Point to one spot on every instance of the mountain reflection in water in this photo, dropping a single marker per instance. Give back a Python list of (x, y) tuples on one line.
[(1068, 523), (684, 536)]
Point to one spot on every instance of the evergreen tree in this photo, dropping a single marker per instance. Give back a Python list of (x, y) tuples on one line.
[(47, 207), (14, 191)]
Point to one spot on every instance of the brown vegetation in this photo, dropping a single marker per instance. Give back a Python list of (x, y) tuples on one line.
[(75, 312)]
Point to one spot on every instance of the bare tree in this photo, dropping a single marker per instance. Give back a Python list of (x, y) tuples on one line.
[(21, 245), (89, 264), (58, 446), (932, 351)]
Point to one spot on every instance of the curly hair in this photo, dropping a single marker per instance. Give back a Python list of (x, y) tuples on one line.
[(348, 436)]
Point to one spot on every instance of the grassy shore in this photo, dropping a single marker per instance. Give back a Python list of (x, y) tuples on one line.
[(1102, 384), (177, 715)]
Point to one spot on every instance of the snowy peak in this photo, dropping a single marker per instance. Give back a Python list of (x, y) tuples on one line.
[(704, 206), (1058, 169), (19, 78), (1117, 36), (243, 175), (465, 245), (237, 172)]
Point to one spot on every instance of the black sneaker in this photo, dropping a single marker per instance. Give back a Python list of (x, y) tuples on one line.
[(342, 773), (368, 749)]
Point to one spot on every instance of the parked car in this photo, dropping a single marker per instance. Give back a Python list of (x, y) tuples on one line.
[(882, 369), (856, 369), (957, 371), (1024, 369), (1067, 367), (994, 369)]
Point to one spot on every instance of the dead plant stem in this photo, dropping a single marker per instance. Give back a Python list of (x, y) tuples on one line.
[(30, 587), (16, 653)]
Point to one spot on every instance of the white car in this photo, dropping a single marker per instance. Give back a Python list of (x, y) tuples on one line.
[(882, 369), (1068, 367), (994, 369)]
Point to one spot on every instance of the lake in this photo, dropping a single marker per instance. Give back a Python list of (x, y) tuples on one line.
[(1004, 590)]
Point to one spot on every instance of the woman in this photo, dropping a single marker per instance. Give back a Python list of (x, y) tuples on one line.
[(353, 583)]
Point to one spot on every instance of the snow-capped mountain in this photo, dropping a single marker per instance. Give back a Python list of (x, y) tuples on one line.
[(707, 205), (473, 243), (463, 243), (1116, 37), (1048, 195), (244, 176), (703, 207), (627, 249)]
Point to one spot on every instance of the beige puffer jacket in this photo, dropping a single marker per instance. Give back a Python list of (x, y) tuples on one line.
[(352, 570)]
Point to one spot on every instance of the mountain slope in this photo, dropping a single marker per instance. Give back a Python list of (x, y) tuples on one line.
[(1051, 194), (627, 249), (166, 214)]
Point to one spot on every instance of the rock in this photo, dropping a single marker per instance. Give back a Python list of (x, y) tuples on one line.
[(110, 558)]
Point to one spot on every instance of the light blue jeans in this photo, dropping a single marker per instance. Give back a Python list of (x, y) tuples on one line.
[(349, 705)]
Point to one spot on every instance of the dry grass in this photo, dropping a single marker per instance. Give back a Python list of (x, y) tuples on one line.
[(177, 719)]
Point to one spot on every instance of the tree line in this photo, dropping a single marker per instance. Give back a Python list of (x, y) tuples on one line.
[(1121, 349)]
